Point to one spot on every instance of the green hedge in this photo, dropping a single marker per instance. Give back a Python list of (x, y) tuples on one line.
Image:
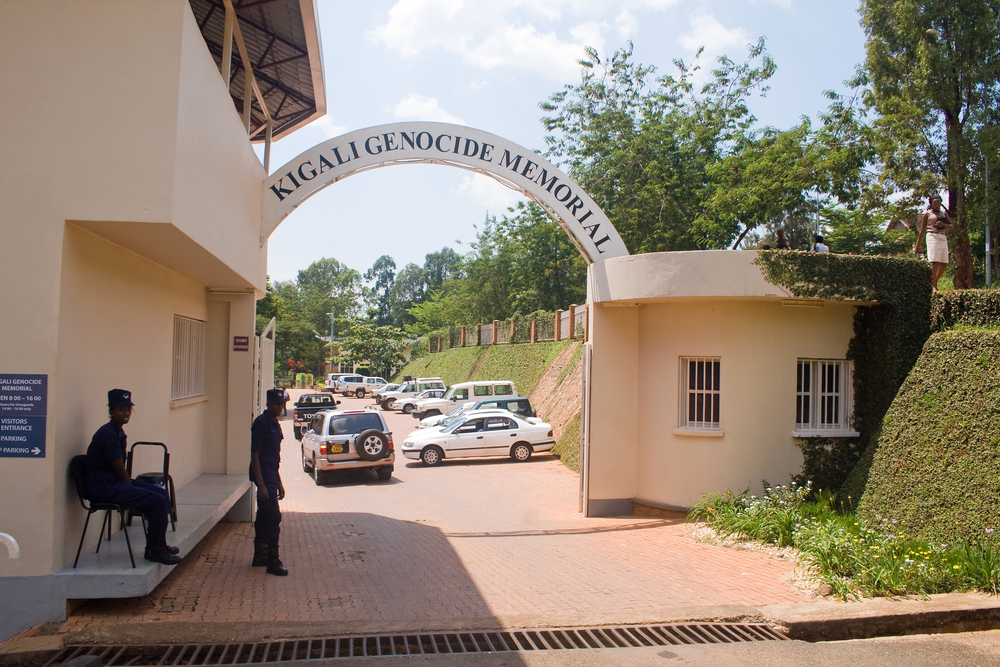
[(523, 364), (975, 307), (936, 467)]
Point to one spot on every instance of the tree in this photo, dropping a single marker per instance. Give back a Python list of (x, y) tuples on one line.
[(642, 146), (935, 72), (379, 346), (383, 275), (407, 290), (441, 266)]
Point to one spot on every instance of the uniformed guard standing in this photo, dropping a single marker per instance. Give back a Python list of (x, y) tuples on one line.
[(108, 481), (265, 456)]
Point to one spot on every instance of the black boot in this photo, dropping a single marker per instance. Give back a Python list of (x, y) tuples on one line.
[(259, 553), (274, 565), (161, 554)]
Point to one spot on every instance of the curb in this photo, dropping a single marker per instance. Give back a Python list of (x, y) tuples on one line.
[(885, 617)]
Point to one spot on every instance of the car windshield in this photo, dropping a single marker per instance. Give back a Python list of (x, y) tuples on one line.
[(316, 399), (350, 424), (390, 387)]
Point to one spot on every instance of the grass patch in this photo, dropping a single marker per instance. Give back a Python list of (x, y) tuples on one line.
[(855, 557), (567, 447)]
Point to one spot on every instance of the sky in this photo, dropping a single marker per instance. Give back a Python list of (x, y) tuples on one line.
[(487, 64)]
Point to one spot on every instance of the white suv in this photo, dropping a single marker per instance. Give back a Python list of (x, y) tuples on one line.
[(459, 393), (359, 385), (408, 389), (344, 439), (331, 380)]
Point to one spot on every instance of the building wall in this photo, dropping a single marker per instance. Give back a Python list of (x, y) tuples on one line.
[(131, 193), (759, 343), (116, 330)]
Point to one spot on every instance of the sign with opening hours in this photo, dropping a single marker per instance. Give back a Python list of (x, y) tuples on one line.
[(23, 408)]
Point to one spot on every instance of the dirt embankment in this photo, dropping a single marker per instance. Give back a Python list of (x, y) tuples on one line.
[(558, 395)]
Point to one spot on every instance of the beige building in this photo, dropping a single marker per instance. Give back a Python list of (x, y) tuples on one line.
[(701, 376), (132, 258)]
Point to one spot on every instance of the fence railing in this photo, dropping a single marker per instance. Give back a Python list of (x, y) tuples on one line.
[(539, 327)]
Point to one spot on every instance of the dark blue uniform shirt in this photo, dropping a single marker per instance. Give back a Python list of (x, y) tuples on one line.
[(265, 439), (108, 444)]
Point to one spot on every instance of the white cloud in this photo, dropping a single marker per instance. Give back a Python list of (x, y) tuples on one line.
[(544, 37), (626, 23), (327, 127), (489, 193), (715, 37), (418, 107)]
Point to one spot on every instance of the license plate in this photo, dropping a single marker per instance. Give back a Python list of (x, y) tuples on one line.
[(335, 449)]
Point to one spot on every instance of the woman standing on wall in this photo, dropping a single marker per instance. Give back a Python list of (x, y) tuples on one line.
[(933, 224)]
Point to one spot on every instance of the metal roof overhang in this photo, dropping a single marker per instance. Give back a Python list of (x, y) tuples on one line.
[(283, 44)]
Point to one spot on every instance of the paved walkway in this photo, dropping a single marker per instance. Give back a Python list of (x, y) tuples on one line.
[(470, 542)]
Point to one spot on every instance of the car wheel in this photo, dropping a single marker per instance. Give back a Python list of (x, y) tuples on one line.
[(387, 404), (298, 432), (371, 445), (432, 413), (359, 393), (407, 409), (521, 451), (384, 474), (318, 475), (305, 464), (432, 456)]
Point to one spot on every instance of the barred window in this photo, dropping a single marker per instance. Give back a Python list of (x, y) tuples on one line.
[(700, 392), (823, 400), (188, 377)]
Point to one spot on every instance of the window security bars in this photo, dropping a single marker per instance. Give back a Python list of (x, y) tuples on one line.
[(700, 392), (188, 375), (823, 400)]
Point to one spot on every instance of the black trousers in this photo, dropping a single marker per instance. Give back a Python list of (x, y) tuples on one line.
[(152, 500), (267, 527)]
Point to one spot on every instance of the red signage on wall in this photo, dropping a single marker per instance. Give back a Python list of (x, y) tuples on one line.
[(241, 343)]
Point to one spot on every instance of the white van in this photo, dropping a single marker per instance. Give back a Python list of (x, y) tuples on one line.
[(462, 392)]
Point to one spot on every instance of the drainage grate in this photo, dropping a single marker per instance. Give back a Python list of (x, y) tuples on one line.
[(429, 643)]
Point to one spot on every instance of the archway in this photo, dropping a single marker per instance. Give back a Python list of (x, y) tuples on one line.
[(454, 145)]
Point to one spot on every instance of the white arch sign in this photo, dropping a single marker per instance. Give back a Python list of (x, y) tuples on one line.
[(454, 145)]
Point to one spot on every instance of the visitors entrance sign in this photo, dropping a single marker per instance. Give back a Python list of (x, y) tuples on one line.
[(453, 145), (23, 407)]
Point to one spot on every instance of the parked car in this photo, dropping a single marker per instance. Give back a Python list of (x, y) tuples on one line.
[(409, 389), (443, 420), (331, 379), (381, 391), (464, 391), (359, 385), (306, 407), (406, 404), (480, 433), (346, 439)]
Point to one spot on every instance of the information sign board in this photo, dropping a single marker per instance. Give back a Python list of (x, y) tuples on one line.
[(23, 408)]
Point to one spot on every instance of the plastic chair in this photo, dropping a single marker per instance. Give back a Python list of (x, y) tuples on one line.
[(78, 471), (161, 479)]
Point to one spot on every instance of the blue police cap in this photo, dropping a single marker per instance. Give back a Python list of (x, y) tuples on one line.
[(119, 397), (275, 396)]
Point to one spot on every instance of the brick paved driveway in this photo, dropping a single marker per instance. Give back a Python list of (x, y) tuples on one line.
[(469, 543)]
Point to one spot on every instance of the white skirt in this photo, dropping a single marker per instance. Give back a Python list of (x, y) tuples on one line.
[(937, 248)]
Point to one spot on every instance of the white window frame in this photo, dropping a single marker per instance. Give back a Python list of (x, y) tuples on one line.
[(709, 387), (188, 374), (822, 408)]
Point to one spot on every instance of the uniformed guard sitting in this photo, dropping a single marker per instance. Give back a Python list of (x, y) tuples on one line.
[(265, 457), (109, 482)]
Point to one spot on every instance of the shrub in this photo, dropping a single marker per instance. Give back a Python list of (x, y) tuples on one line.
[(937, 461)]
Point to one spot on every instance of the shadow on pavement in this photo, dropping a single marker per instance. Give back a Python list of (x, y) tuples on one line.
[(350, 573)]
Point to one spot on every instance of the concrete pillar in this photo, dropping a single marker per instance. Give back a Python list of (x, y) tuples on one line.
[(558, 325), (479, 333), (463, 336), (534, 330), (572, 321), (511, 338), (493, 332)]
